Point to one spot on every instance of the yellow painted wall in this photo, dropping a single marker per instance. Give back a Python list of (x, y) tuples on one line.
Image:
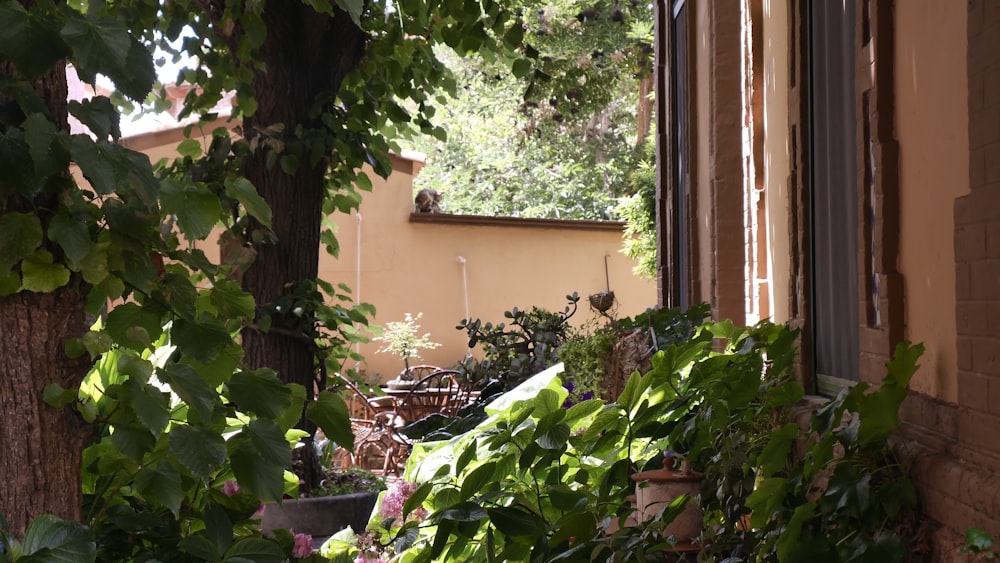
[(700, 101), (415, 267), (932, 130), (777, 158)]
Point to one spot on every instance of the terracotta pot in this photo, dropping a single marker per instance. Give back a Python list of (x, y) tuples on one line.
[(656, 489)]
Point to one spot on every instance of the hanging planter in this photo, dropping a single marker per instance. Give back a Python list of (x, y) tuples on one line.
[(603, 300)]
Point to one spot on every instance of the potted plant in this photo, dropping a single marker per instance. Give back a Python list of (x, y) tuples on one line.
[(345, 498), (402, 339)]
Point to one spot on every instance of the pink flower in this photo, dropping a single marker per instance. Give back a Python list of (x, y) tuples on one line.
[(395, 497), (230, 488), (368, 558), (303, 545)]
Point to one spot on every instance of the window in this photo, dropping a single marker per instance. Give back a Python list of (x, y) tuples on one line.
[(834, 194)]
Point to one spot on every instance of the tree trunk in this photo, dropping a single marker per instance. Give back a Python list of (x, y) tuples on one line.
[(305, 54), (645, 109), (40, 447)]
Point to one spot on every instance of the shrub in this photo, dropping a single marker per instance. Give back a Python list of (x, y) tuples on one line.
[(539, 482)]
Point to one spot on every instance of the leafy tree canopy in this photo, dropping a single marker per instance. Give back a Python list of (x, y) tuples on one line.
[(204, 367), (552, 140)]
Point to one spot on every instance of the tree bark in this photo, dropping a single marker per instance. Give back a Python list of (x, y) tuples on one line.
[(305, 54), (40, 446), (645, 110)]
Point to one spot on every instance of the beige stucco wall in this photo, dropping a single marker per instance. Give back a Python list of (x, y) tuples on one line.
[(700, 103), (415, 267), (932, 129), (777, 159)]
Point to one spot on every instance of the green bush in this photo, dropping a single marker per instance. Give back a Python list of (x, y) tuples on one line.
[(538, 482)]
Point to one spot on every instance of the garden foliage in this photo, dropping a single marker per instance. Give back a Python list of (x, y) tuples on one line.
[(537, 482)]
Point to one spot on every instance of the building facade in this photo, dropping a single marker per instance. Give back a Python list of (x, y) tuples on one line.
[(836, 166)]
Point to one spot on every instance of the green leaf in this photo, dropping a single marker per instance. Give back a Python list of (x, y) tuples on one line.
[(477, 480), (140, 175), (124, 318), (767, 498), (513, 39), (260, 392), (879, 411), (201, 341), (775, 453), (190, 387), (521, 68), (244, 192), (39, 274), (150, 405), (321, 6), (555, 438), (132, 440), (19, 172), (269, 442), (353, 9), (199, 450), (565, 497), (462, 512), (197, 209), (218, 527), (103, 46), (135, 367), (329, 412), (97, 163), (21, 234), (99, 115), (790, 535), (190, 148), (514, 521), (291, 415), (99, 45), (10, 283), (258, 550), (200, 546), (73, 236), (48, 151), (546, 401), (255, 472), (466, 456), (582, 410), (55, 396), (232, 302), (54, 540), (289, 164), (978, 540), (30, 39), (161, 484), (417, 498)]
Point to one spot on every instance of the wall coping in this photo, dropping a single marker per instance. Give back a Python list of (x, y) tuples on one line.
[(518, 222)]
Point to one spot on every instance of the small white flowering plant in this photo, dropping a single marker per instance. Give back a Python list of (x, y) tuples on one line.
[(402, 338)]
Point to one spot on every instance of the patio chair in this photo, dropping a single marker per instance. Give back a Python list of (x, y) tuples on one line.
[(372, 421), (439, 392)]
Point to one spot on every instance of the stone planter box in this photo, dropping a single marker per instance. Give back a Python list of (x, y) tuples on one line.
[(320, 516)]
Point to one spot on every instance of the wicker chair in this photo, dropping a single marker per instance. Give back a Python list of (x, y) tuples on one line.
[(373, 419), (439, 392)]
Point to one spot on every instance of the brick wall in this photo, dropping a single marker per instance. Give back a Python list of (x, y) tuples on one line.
[(956, 447)]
